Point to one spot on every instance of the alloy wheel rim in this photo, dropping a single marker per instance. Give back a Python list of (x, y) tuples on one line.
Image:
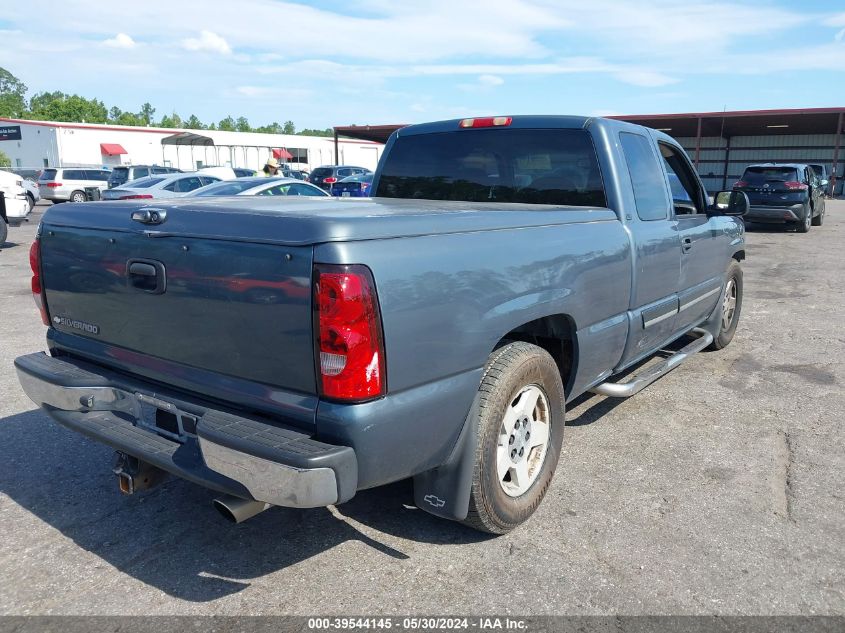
[(523, 440), (729, 305)]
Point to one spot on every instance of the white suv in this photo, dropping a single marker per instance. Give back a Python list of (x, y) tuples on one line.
[(68, 183)]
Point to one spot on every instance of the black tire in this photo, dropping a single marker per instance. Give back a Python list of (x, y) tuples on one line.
[(4, 231), (804, 225), (726, 333), (78, 196), (31, 201), (819, 219), (509, 371)]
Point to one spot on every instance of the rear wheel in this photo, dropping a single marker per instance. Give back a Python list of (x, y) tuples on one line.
[(4, 231), (520, 430), (819, 219), (804, 225), (730, 308), (31, 201), (78, 196)]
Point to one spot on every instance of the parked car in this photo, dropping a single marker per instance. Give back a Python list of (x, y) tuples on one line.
[(125, 173), (324, 177), (823, 175), (164, 186), (258, 186), (505, 267), (15, 202), (353, 186), (60, 184), (299, 174), (783, 193), (33, 194)]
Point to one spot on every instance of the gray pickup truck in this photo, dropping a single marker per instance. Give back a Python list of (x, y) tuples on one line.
[(292, 352)]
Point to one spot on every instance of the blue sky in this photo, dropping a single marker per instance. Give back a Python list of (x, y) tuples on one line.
[(328, 63)]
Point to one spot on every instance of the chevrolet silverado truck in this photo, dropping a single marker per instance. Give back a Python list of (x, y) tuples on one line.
[(293, 352)]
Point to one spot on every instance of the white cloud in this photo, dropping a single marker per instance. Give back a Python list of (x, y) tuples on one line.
[(121, 40), (490, 80), (208, 41), (644, 78), (840, 36)]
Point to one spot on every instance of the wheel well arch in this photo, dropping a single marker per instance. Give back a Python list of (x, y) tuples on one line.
[(739, 255), (555, 333)]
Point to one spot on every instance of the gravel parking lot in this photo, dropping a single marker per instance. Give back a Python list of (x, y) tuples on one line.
[(719, 489)]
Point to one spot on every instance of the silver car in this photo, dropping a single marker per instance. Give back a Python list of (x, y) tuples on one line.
[(163, 186), (260, 186), (60, 184)]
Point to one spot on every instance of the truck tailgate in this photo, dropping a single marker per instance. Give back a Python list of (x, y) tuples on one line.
[(225, 305)]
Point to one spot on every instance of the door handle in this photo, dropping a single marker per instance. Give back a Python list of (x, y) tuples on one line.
[(686, 244), (144, 270), (147, 275)]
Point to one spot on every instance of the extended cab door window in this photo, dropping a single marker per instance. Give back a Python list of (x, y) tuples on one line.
[(646, 177), (687, 195)]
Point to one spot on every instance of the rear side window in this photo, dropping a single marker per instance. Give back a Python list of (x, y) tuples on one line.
[(321, 172), (75, 174), (141, 172), (538, 166), (143, 183), (646, 177), (183, 185), (297, 189), (48, 174)]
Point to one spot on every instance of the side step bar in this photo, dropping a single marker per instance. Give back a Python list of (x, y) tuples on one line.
[(641, 381)]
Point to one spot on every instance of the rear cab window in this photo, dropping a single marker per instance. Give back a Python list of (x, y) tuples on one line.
[(533, 166)]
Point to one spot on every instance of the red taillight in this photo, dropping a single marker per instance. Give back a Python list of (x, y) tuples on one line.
[(349, 336), (52, 184), (490, 121), (794, 185), (739, 184), (330, 180), (136, 196), (35, 283)]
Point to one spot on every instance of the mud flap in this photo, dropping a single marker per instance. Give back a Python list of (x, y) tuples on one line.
[(445, 490)]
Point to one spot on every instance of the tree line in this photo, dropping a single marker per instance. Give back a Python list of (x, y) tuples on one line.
[(59, 106)]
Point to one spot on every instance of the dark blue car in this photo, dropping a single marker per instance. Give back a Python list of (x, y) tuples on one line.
[(357, 186)]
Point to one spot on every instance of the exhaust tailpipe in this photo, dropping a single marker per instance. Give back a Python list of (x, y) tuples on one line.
[(238, 510)]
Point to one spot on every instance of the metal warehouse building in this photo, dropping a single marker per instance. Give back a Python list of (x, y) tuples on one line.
[(721, 144), (38, 144)]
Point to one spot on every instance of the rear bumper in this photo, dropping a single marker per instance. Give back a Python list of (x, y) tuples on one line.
[(775, 214), (241, 456)]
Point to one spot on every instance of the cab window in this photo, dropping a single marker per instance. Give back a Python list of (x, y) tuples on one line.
[(688, 198)]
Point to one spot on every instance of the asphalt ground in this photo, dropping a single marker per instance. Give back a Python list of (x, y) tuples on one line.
[(717, 490)]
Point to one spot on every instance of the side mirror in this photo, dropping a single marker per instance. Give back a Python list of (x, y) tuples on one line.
[(824, 183), (730, 203)]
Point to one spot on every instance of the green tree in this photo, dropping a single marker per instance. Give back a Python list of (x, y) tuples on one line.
[(130, 118), (308, 132), (58, 106), (12, 93), (242, 125), (272, 128), (193, 123), (146, 113), (5, 161), (114, 113), (289, 128), (227, 124), (174, 120)]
